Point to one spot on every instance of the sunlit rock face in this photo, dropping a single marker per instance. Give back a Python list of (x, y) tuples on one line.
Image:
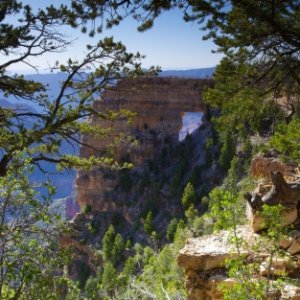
[(203, 259), (158, 104)]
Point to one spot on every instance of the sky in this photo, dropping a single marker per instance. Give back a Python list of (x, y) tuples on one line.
[(171, 44)]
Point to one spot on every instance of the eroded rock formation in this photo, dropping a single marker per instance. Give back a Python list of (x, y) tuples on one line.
[(159, 104), (262, 166), (203, 259)]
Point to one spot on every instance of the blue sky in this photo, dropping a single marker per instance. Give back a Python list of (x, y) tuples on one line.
[(171, 43)]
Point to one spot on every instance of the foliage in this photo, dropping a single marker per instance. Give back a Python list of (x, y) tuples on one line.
[(108, 242), (171, 229), (160, 277), (30, 137), (86, 209), (148, 223), (108, 277), (225, 209), (113, 246), (145, 275), (227, 150), (29, 237), (261, 64), (189, 195), (118, 249), (287, 140), (247, 285), (194, 177), (125, 181)]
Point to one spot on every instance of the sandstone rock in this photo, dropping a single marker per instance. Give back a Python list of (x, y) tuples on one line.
[(290, 292), (215, 285), (282, 192), (285, 242), (263, 166), (210, 252), (256, 220), (279, 266), (295, 247), (203, 262), (159, 104), (206, 256)]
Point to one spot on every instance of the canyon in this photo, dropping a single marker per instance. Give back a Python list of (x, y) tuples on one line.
[(158, 105), (162, 165)]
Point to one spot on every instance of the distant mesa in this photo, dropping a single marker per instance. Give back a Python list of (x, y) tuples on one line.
[(191, 73)]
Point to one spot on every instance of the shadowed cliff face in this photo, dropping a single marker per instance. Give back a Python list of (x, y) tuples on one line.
[(159, 104), (162, 165)]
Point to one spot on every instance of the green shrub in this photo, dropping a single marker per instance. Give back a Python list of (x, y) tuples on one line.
[(287, 140)]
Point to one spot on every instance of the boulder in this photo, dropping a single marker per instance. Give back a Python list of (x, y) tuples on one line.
[(290, 292), (257, 222), (203, 262), (294, 247), (211, 251), (262, 167)]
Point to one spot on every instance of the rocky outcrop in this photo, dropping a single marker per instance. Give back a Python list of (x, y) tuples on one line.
[(158, 104), (262, 166), (280, 192), (203, 259)]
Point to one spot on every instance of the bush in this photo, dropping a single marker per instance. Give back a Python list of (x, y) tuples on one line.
[(108, 277), (287, 140)]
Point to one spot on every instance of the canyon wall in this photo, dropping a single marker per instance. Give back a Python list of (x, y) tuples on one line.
[(158, 104)]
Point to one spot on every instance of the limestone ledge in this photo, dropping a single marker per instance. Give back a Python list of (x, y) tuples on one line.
[(203, 262)]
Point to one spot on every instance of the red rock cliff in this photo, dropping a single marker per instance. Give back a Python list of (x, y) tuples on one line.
[(159, 104)]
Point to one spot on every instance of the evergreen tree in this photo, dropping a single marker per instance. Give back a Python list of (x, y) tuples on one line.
[(29, 138), (171, 229), (189, 195), (117, 249), (227, 150), (108, 278), (148, 225), (108, 242)]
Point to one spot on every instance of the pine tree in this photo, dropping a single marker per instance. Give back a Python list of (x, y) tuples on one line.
[(148, 226), (189, 195), (108, 242)]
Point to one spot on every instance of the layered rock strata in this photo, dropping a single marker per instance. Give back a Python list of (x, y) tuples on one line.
[(158, 104)]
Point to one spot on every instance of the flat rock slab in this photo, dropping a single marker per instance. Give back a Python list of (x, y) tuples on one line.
[(212, 251)]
